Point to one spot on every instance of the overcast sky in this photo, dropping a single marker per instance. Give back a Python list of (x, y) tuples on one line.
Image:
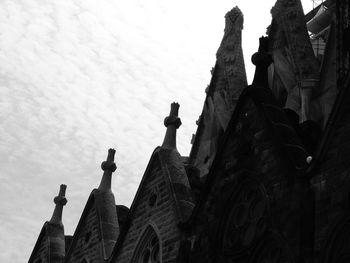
[(80, 76)]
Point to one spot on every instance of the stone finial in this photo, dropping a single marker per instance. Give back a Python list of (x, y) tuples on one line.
[(109, 164), (172, 122), (262, 60), (108, 167), (60, 201), (173, 118)]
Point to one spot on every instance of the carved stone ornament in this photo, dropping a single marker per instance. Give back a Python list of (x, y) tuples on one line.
[(109, 164), (173, 118)]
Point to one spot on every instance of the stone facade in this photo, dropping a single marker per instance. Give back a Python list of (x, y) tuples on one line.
[(259, 185)]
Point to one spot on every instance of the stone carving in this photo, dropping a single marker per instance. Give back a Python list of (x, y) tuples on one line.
[(230, 60), (246, 219), (108, 168), (109, 164), (172, 122), (228, 81), (247, 234), (60, 201), (295, 67), (173, 118)]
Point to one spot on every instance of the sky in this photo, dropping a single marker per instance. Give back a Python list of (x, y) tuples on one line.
[(78, 77)]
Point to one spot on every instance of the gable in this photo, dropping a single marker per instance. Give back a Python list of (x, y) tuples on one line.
[(179, 187), (86, 239), (153, 204), (40, 251)]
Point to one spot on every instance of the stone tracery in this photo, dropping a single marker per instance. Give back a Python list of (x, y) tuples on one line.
[(148, 248)]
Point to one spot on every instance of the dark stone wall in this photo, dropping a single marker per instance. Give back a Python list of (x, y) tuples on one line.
[(42, 251), (55, 233), (253, 209), (331, 183), (87, 243), (154, 205)]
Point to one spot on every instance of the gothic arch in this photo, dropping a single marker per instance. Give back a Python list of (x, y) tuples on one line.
[(149, 246)]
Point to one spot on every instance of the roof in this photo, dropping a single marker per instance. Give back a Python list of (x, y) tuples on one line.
[(38, 242), (174, 172), (106, 231)]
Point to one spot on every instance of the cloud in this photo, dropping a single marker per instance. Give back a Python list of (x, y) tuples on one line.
[(78, 77)]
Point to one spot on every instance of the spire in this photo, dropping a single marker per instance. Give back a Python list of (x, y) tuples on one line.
[(172, 122), (108, 168), (105, 205), (60, 201), (231, 42)]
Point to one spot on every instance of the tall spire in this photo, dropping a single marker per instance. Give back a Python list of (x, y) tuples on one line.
[(172, 122), (60, 201), (108, 168)]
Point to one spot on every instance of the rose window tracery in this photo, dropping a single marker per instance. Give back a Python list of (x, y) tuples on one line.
[(246, 220), (246, 232)]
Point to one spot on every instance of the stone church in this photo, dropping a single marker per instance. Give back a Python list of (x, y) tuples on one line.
[(268, 176)]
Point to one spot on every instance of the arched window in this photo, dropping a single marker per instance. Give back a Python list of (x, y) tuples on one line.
[(148, 248)]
